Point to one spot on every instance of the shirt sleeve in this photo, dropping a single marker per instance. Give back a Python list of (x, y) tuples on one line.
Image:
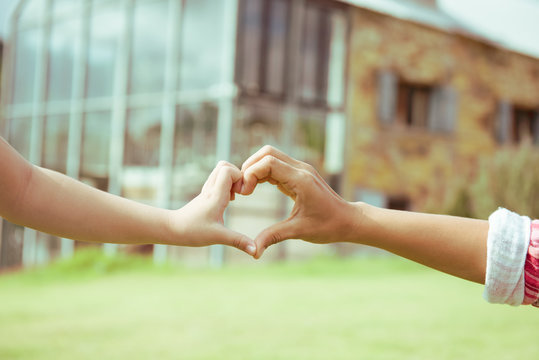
[(507, 246)]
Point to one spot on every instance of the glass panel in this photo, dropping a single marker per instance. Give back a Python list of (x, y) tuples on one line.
[(202, 46), (251, 36), (19, 135), (55, 138), (149, 44), (47, 248), (310, 54), (277, 46), (32, 11), (337, 60), (25, 66), (310, 139), (419, 106), (95, 149), (11, 245), (66, 7), (195, 141), (106, 26), (142, 138), (64, 36), (257, 126)]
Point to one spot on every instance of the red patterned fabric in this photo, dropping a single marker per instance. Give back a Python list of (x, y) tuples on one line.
[(531, 268)]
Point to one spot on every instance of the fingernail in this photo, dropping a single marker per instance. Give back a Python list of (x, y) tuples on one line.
[(251, 249)]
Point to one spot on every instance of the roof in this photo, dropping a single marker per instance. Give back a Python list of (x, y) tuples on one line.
[(436, 18)]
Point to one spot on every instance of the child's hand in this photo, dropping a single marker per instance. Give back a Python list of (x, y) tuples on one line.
[(200, 222)]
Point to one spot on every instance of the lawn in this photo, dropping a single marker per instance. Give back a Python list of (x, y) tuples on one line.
[(372, 308)]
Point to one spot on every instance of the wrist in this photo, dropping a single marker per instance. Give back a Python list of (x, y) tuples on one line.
[(363, 223), (172, 226)]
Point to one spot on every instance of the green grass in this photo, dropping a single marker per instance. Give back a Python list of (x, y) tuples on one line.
[(93, 307)]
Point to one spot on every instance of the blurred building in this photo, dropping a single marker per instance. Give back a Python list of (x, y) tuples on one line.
[(388, 99)]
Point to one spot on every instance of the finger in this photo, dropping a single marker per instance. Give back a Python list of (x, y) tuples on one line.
[(213, 176), (239, 241), (275, 234), (269, 168), (269, 150), (236, 188), (226, 177)]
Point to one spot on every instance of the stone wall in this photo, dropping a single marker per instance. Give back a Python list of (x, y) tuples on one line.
[(415, 162)]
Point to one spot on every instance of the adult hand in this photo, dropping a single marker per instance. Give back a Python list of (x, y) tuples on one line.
[(201, 220), (319, 215)]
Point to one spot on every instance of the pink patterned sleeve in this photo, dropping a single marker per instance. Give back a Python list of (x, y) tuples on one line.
[(531, 268)]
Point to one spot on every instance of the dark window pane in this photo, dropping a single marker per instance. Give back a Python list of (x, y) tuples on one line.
[(277, 46), (525, 125), (251, 37), (143, 135), (149, 43), (54, 155), (413, 105), (94, 167), (310, 54)]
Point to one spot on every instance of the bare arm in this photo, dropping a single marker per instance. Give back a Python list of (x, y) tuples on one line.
[(54, 203), (450, 244)]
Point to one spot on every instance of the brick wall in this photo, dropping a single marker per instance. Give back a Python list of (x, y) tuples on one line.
[(415, 162)]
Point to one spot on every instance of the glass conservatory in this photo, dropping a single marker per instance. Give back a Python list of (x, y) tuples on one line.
[(142, 97)]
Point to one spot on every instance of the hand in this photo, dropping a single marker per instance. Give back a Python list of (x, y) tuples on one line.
[(201, 220), (319, 215)]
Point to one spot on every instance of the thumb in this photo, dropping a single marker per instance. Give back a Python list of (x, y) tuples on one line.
[(239, 241), (274, 234)]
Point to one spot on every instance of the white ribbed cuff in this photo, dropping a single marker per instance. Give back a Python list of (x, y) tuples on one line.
[(507, 246)]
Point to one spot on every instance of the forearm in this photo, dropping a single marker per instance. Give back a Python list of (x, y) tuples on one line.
[(457, 246), (57, 204)]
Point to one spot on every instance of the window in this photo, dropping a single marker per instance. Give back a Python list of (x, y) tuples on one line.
[(54, 155), (323, 54), (106, 26), (421, 106), (19, 135), (315, 51), (413, 105), (195, 139), (201, 46), (398, 202), (25, 65), (263, 29), (94, 167), (310, 139), (142, 137), (379, 199), (257, 125), (516, 124), (525, 125), (64, 36), (149, 43)]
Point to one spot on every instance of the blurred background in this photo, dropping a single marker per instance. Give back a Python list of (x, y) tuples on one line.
[(417, 105), (401, 104)]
